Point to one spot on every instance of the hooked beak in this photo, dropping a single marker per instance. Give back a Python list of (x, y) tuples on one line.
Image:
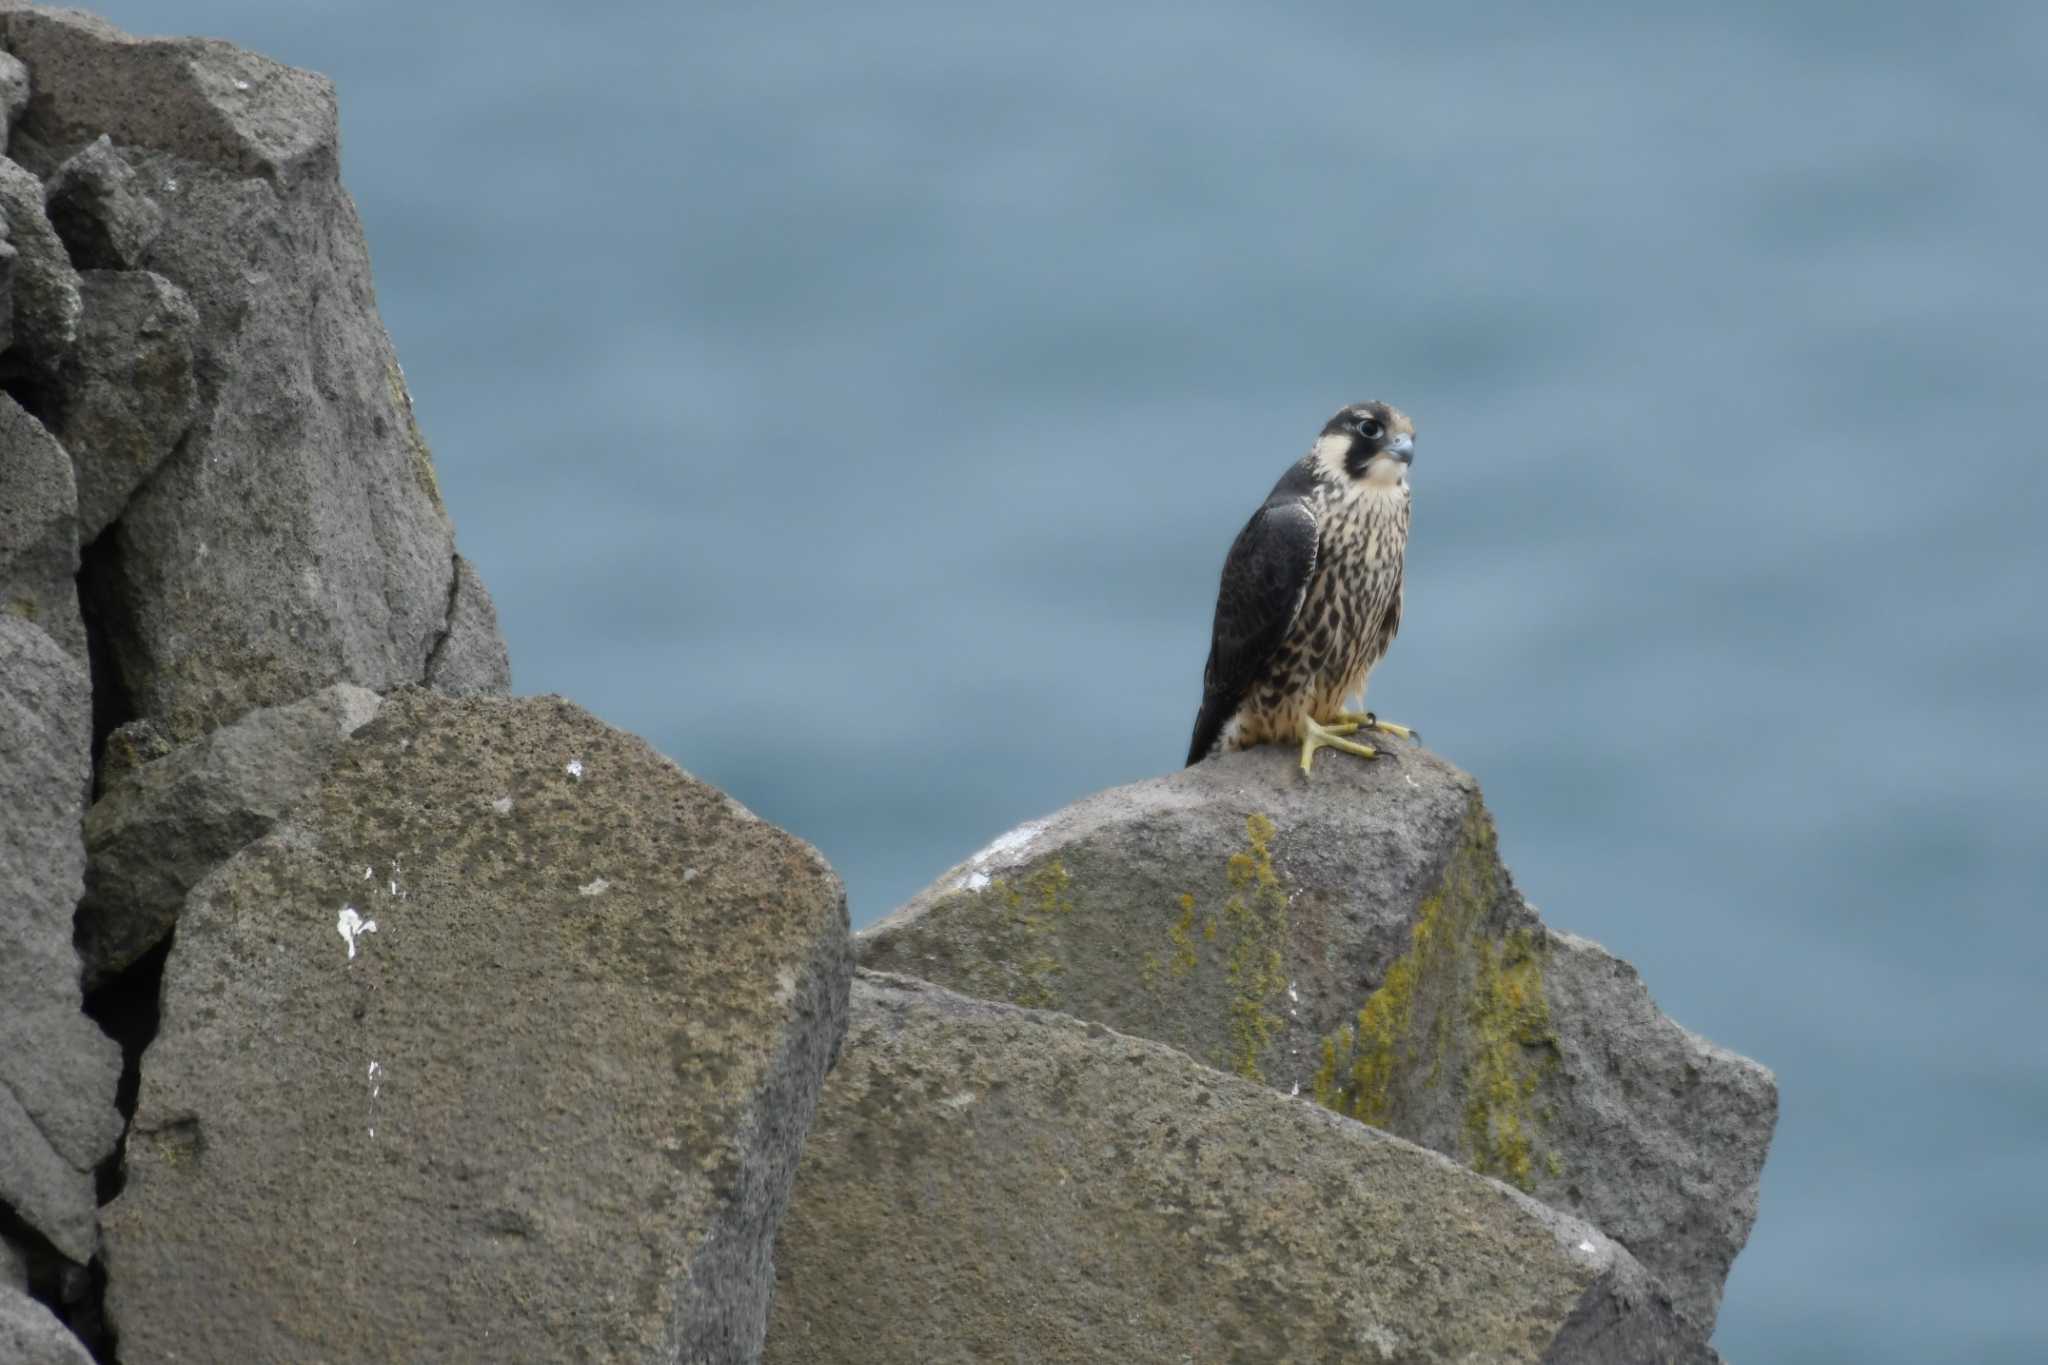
[(1402, 448)]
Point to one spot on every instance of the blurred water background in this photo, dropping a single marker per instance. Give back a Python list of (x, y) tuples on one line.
[(858, 401)]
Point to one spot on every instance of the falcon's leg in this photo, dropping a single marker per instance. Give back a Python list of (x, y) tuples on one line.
[(1366, 720), (1314, 737)]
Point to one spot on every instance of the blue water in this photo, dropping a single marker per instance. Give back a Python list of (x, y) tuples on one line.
[(858, 401)]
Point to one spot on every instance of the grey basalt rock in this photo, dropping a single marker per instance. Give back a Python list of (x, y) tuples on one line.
[(471, 659), (129, 747), (13, 1266), (985, 1182), (9, 258), (295, 537), (548, 1108), (57, 1071), (1356, 938), (97, 204), (31, 1335), (38, 529), (45, 286), (13, 93), (160, 827), (126, 394)]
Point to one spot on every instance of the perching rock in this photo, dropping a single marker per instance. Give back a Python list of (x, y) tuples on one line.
[(294, 538), (990, 1183), (471, 659), (38, 530), (57, 1071), (127, 393), (46, 305), (97, 205), (1356, 936), (549, 1107), (31, 1335), (162, 826)]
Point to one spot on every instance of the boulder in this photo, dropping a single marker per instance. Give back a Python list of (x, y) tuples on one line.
[(160, 827), (31, 1335), (295, 537), (127, 394), (45, 287), (98, 206), (57, 1071), (991, 1183), (502, 1044), (38, 530), (1355, 938)]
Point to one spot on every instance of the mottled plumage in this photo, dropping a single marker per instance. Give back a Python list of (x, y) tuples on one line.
[(1311, 591)]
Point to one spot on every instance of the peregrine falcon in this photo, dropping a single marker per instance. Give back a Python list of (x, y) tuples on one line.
[(1311, 595)]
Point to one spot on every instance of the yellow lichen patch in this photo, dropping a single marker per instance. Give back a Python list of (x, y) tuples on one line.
[(1034, 906), (1256, 914), (1507, 1017), (1464, 1000), (1246, 936)]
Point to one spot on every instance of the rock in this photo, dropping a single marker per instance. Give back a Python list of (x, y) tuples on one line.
[(128, 749), (127, 394), (549, 1107), (13, 1266), (1357, 938), (155, 833), (46, 305), (38, 530), (31, 1335), (9, 257), (97, 205), (471, 659), (981, 1176), (295, 538), (201, 100), (13, 93), (57, 1072)]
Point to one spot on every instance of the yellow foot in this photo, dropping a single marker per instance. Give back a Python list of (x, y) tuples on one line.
[(1314, 737), (1368, 721)]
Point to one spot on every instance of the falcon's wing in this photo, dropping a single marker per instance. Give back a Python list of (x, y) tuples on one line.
[(1265, 579)]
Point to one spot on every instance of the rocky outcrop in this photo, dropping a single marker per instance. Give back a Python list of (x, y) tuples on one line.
[(218, 527), (57, 1073), (982, 1176), (528, 1026), (1356, 939), (162, 826), (292, 535)]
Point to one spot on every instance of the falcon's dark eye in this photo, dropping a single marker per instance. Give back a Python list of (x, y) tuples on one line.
[(1370, 428)]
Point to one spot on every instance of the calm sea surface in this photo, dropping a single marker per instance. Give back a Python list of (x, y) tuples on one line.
[(857, 402)]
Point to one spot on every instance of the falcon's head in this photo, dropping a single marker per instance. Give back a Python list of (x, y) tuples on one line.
[(1367, 443)]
